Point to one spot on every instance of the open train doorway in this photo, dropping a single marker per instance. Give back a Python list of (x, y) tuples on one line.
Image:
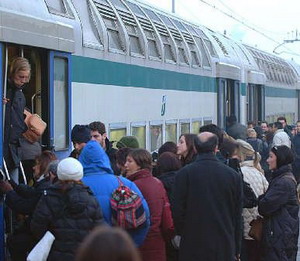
[(228, 100), (255, 102)]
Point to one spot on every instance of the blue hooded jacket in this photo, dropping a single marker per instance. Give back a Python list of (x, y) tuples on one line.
[(99, 176)]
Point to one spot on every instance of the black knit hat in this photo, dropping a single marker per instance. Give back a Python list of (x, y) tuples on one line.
[(80, 134)]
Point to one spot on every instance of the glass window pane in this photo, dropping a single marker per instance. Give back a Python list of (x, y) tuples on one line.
[(114, 40), (116, 135), (182, 57), (61, 122), (156, 137), (205, 60), (184, 128), (196, 126), (168, 52), (135, 46), (171, 132), (56, 6), (206, 122), (140, 134), (153, 51)]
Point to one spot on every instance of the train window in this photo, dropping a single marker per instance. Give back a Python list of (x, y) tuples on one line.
[(116, 132), (152, 40), (156, 137), (196, 124), (207, 121), (184, 127), (61, 112), (205, 60), (139, 131), (110, 21), (164, 35), (132, 30), (59, 7), (171, 132)]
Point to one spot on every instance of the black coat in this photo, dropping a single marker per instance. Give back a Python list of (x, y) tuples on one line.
[(279, 206), (208, 210), (168, 180), (69, 212), (23, 199), (14, 125)]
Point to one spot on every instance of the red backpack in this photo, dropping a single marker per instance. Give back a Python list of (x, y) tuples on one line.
[(127, 208)]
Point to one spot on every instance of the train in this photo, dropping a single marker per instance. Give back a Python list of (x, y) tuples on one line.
[(139, 70)]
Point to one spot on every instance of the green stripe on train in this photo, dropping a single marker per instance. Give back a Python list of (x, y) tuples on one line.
[(89, 70)]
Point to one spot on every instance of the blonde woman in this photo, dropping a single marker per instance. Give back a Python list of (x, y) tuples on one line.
[(252, 174)]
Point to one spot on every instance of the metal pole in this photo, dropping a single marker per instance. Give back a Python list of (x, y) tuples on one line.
[(5, 85), (173, 6)]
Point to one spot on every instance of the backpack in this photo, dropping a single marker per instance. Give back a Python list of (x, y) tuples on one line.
[(127, 208)]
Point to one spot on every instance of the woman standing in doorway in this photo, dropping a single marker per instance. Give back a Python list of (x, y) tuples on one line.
[(19, 75)]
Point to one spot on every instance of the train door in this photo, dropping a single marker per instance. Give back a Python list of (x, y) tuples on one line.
[(228, 100), (60, 103), (255, 102)]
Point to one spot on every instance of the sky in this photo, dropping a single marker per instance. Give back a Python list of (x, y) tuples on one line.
[(278, 20)]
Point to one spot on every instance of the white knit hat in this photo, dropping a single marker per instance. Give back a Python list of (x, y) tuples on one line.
[(69, 169)]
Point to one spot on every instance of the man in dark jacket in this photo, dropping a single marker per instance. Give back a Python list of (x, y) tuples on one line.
[(208, 206), (98, 133)]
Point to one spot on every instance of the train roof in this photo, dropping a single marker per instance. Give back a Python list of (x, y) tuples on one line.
[(133, 29), (32, 24)]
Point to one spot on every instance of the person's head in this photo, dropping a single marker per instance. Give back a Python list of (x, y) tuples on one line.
[(80, 136), (138, 159), (283, 121), (98, 132), (121, 156), (107, 243), (41, 163), (259, 132), (246, 153), (280, 156), (69, 169), (277, 125), (230, 120), (128, 142), (264, 126), (229, 148), (207, 143), (250, 124), (215, 130), (251, 133), (168, 146), (19, 71), (186, 148), (52, 169), (168, 162), (298, 127)]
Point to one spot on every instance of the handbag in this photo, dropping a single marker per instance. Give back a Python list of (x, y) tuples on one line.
[(36, 127), (42, 249), (256, 228)]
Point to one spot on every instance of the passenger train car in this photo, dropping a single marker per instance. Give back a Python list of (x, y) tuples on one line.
[(141, 71)]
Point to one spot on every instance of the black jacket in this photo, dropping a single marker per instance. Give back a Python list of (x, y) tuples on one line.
[(69, 212), (14, 125), (208, 210), (279, 206), (168, 180), (111, 153), (23, 199)]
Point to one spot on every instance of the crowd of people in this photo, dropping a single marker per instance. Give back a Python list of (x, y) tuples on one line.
[(200, 197), (195, 200)]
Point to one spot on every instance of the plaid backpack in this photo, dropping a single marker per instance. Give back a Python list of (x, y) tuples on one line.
[(127, 208)]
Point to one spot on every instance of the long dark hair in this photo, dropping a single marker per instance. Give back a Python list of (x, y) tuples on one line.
[(190, 140)]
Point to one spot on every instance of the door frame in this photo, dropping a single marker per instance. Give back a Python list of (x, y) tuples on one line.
[(52, 55)]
